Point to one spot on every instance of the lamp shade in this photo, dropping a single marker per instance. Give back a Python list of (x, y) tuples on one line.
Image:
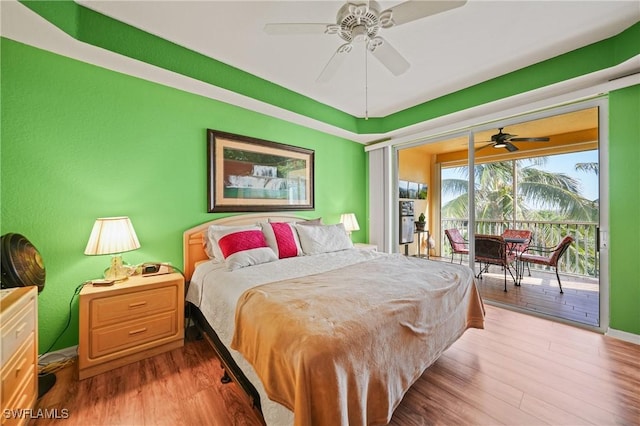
[(350, 222), (112, 235)]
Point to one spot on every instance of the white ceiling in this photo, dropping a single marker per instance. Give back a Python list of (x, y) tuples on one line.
[(447, 52)]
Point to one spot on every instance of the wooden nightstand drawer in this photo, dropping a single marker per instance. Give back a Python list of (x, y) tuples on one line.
[(20, 366), (129, 321), (115, 309), (18, 329), (116, 338)]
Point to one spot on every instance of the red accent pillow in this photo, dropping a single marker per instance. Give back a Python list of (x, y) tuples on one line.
[(242, 248), (282, 238)]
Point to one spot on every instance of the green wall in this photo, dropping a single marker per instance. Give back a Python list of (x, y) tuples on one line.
[(624, 193), (80, 142), (93, 28)]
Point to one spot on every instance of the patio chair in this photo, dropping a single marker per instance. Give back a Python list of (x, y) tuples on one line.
[(547, 256), (458, 244), (518, 248), (492, 250)]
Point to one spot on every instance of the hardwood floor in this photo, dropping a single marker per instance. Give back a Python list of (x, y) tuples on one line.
[(518, 370), (181, 387)]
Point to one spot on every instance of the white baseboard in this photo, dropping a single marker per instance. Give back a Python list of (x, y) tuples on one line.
[(58, 356), (623, 335)]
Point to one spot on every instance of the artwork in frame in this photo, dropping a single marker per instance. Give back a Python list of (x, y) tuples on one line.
[(403, 189), (253, 175), (423, 190), (413, 190)]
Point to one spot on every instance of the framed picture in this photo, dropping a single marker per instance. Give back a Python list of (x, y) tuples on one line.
[(423, 189), (413, 190), (403, 189), (253, 175)]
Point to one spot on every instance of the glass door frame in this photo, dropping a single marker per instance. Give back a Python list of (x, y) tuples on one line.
[(603, 142)]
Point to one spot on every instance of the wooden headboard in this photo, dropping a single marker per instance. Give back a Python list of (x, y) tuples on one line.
[(193, 239)]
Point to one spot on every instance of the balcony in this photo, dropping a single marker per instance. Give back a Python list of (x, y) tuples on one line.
[(578, 269)]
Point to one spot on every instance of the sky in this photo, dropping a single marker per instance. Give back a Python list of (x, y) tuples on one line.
[(562, 163)]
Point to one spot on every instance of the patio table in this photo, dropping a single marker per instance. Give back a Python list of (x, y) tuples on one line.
[(511, 243)]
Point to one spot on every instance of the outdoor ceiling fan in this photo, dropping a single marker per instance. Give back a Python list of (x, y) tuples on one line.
[(504, 140), (362, 23)]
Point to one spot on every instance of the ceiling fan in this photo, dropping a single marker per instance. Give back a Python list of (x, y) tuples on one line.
[(362, 23), (504, 140)]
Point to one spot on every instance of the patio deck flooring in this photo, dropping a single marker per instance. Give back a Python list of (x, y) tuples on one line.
[(540, 293)]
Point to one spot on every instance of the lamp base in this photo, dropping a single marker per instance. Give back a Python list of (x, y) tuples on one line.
[(117, 271)]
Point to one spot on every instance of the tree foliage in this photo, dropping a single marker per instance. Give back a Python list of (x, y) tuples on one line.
[(540, 194)]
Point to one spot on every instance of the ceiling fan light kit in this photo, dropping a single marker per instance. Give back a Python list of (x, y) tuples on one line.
[(362, 23), (504, 140)]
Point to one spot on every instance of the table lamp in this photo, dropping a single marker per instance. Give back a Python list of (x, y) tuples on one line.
[(113, 235), (350, 222)]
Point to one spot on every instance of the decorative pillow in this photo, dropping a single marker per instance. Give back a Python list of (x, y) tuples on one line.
[(323, 238), (244, 247), (311, 222), (282, 238), (211, 245)]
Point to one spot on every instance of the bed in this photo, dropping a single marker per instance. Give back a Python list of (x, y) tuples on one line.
[(333, 337)]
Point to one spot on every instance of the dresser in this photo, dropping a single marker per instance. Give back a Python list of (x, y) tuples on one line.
[(19, 325), (129, 321)]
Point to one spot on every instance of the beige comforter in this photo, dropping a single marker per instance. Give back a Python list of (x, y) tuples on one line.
[(343, 347)]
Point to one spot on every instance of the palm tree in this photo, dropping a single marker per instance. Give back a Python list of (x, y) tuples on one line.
[(539, 193), (540, 196)]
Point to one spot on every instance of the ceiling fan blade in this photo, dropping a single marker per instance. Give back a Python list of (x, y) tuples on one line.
[(288, 29), (413, 10), (388, 55), (334, 63), (484, 146), (529, 139), (510, 147)]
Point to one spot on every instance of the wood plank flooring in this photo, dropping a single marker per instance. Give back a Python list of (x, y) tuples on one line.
[(540, 293), (518, 370)]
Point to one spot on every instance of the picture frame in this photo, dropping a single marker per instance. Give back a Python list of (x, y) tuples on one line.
[(423, 191), (413, 190), (403, 189), (247, 174)]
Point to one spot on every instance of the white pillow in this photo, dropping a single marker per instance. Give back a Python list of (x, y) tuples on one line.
[(211, 245), (323, 238), (243, 247), (282, 238)]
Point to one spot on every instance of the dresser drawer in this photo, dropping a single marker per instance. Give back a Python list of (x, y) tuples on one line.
[(125, 307), (132, 334), (23, 401), (18, 329), (21, 365)]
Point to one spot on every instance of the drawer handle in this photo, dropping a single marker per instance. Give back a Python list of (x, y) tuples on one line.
[(138, 331), (19, 367), (19, 329), (136, 304)]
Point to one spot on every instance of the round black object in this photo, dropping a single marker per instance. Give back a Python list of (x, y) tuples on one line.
[(22, 264)]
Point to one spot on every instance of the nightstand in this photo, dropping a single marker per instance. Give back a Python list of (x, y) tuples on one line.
[(364, 246), (19, 325), (129, 321)]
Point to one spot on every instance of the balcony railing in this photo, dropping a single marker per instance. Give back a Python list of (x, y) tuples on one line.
[(580, 259)]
